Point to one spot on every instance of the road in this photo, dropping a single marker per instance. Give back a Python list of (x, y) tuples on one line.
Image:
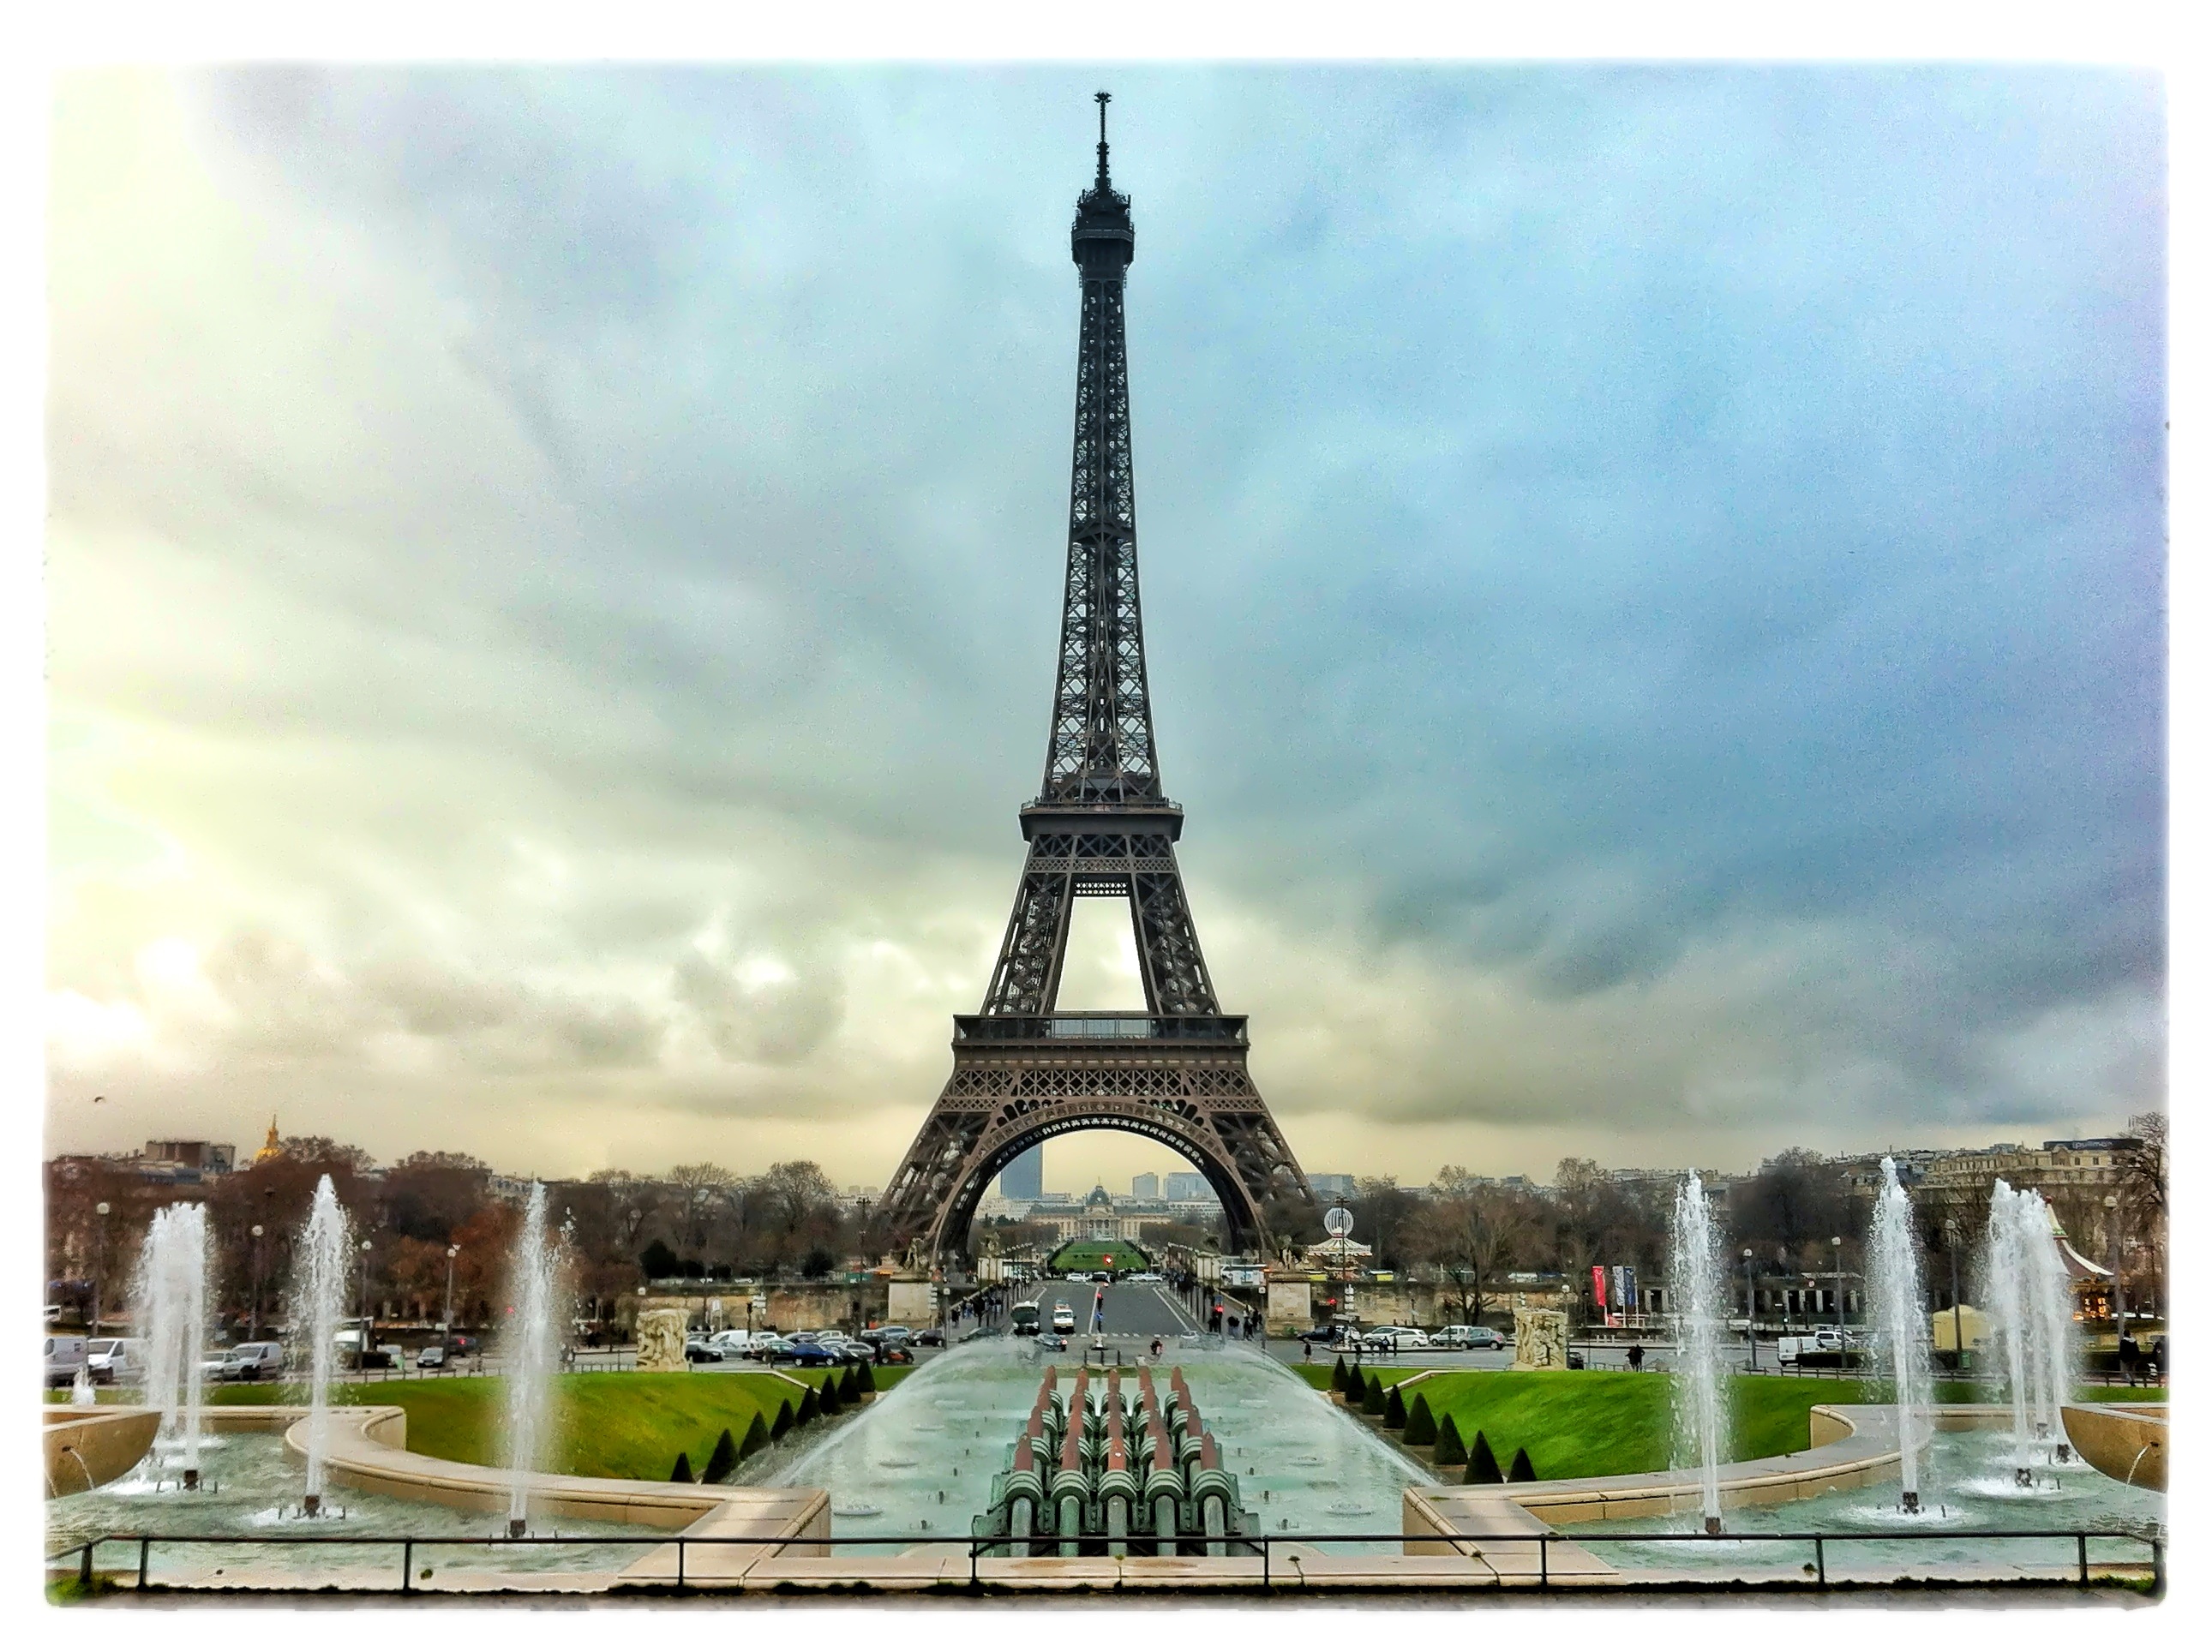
[(1131, 1309)]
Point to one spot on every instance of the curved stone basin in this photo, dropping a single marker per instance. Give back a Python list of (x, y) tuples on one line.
[(1852, 1446), (2125, 1441), (88, 1446)]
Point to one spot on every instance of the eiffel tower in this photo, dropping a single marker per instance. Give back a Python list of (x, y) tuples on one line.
[(1024, 1070)]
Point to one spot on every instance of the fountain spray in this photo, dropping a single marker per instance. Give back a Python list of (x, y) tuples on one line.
[(1699, 1269), (2030, 1305), (530, 1349), (169, 1304), (319, 1287), (1899, 1321)]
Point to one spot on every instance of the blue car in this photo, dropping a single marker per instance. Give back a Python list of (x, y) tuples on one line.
[(804, 1351)]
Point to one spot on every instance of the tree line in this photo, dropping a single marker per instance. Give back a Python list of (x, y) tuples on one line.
[(699, 1221)]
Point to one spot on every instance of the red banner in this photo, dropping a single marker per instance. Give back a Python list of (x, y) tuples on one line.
[(1597, 1284)]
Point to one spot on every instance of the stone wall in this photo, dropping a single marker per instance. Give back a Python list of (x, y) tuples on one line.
[(796, 1306)]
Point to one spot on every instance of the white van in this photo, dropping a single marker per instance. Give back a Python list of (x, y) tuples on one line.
[(117, 1359), (65, 1357)]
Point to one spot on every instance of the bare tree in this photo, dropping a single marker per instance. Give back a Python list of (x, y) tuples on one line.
[(1472, 1234)]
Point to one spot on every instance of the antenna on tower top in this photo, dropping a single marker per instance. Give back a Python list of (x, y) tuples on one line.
[(1105, 98)]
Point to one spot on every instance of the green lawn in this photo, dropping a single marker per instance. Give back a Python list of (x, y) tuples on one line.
[(615, 1425), (1580, 1423)]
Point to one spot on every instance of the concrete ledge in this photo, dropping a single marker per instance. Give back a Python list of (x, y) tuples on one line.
[(88, 1446), (2126, 1443)]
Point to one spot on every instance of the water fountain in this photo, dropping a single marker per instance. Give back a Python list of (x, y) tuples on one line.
[(531, 1351), (319, 1287), (1898, 1314), (1700, 1270), (169, 1304), (2030, 1307)]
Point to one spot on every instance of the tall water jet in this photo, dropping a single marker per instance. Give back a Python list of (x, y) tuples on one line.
[(1898, 1317), (169, 1306), (2031, 1311), (1699, 1269), (531, 1350), (322, 1257)]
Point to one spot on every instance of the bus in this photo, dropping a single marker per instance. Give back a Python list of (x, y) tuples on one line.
[(1025, 1319)]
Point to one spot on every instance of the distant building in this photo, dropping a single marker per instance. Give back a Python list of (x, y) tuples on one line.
[(1333, 1185), (1025, 1177), (185, 1160), (1664, 1182), (1101, 1216), (1187, 1187), (1146, 1186)]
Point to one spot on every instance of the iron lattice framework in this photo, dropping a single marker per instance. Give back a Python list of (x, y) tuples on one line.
[(1023, 1071)]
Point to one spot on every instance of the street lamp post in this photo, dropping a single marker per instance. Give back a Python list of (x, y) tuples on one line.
[(446, 1335), (99, 1259), (1951, 1245), (253, 1310), (2118, 1304), (1836, 1268), (1750, 1311), (1782, 1260), (363, 1363)]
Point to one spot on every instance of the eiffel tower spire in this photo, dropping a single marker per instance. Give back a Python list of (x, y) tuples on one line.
[(1102, 747), (1026, 1069)]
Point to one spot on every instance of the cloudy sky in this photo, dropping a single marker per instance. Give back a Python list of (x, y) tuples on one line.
[(1655, 588)]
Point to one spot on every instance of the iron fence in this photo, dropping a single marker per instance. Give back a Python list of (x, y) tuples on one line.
[(980, 1548)]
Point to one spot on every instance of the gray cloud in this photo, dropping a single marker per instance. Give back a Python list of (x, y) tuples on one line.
[(1663, 566)]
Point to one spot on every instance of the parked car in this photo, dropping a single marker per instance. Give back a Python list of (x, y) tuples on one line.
[(697, 1350), (65, 1357), (733, 1345), (117, 1359), (895, 1354), (1063, 1318), (251, 1362), (807, 1350), (1394, 1339), (880, 1334), (431, 1358), (932, 1338), (1051, 1344), (1468, 1336)]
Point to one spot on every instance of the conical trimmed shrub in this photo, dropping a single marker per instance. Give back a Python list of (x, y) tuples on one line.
[(682, 1472), (1482, 1463), (864, 1380), (1372, 1404), (1420, 1422), (809, 1408), (1523, 1469), (721, 1460), (828, 1398), (785, 1422), (1394, 1408), (1451, 1450), (1340, 1380), (755, 1438), (848, 1386)]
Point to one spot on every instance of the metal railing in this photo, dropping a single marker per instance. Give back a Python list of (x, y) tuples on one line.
[(982, 1548), (1030, 1029)]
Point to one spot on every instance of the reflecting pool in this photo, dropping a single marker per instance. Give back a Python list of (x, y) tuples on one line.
[(920, 1460)]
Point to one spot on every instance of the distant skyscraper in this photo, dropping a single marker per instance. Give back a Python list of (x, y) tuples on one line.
[(1025, 1177), (1187, 1184), (1146, 1186)]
